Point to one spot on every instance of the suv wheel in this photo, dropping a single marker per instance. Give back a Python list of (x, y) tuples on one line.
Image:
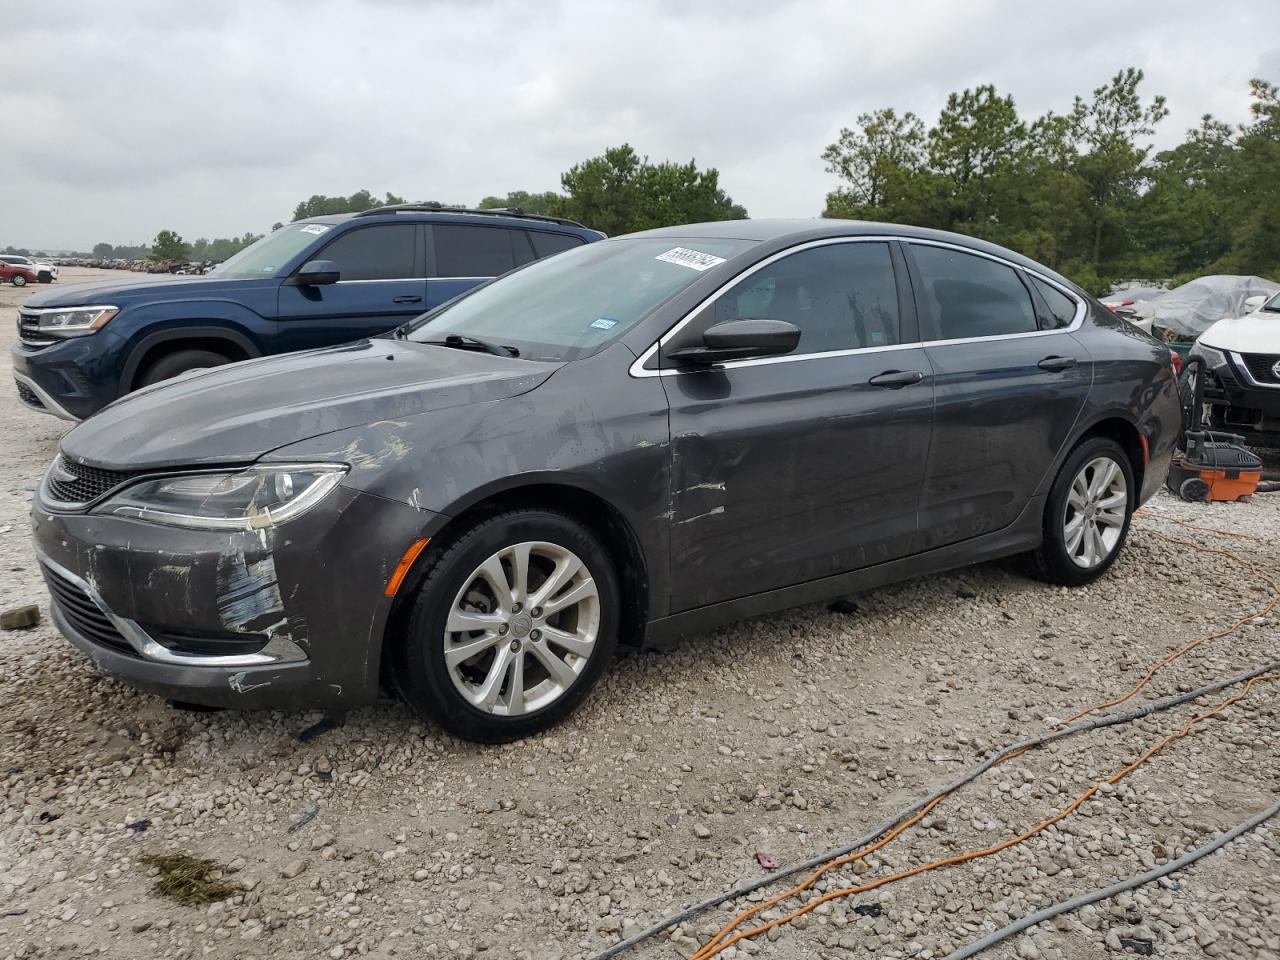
[(180, 361), (45, 276), (1087, 517), (19, 280), (512, 626)]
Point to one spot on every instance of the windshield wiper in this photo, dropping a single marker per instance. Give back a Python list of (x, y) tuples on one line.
[(460, 342)]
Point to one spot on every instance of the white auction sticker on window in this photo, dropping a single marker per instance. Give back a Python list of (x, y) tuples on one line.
[(693, 259), (316, 228)]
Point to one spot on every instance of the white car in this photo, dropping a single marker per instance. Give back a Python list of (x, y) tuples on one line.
[(1242, 388), (45, 272)]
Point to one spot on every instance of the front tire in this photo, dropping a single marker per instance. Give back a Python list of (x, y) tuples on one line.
[(180, 361), (1086, 519), (514, 623), (45, 277)]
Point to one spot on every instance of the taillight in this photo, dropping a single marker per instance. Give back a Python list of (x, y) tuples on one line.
[(1176, 360)]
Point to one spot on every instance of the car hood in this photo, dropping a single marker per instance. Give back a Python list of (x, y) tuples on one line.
[(237, 413), (1257, 332), (112, 291)]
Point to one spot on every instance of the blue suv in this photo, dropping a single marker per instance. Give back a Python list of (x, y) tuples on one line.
[(313, 283)]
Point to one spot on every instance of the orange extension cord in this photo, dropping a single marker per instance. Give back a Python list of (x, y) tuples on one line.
[(718, 943)]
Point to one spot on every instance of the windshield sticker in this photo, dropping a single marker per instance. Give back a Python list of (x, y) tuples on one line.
[(692, 259), (316, 228), (603, 323)]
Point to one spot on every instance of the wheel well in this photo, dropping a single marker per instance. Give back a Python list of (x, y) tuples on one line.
[(596, 513), (1126, 434), (227, 348)]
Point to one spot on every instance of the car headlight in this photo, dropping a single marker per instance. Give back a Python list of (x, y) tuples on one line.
[(71, 321), (1211, 356), (245, 500)]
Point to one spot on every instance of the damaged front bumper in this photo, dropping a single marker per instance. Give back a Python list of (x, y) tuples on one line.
[(287, 617)]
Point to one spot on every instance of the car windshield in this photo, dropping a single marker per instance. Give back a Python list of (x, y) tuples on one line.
[(265, 257), (1273, 304), (574, 303)]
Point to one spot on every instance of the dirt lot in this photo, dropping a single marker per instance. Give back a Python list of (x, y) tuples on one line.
[(782, 736)]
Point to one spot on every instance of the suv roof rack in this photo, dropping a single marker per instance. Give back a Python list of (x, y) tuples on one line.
[(492, 212)]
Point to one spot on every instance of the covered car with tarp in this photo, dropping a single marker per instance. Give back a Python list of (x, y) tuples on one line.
[(1187, 311)]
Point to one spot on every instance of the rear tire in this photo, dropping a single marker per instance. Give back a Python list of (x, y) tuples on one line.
[(480, 656), (19, 280), (1086, 519), (180, 361)]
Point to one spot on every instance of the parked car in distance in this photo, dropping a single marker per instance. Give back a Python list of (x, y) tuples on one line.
[(635, 440), (45, 272), (1242, 374), (16, 274), (313, 283)]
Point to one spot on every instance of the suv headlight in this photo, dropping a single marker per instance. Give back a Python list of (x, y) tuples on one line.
[(70, 321), (244, 500), (1211, 356)]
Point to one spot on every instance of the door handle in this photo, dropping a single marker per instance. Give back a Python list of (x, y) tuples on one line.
[(1057, 364), (896, 379), (406, 299)]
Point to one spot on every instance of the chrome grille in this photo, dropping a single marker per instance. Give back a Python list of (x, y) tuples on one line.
[(1261, 366)]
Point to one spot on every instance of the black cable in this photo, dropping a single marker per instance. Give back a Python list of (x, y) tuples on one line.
[(1097, 723), (1075, 903)]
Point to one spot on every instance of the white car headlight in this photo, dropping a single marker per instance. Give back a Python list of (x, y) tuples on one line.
[(1211, 356), (244, 500), (71, 321)]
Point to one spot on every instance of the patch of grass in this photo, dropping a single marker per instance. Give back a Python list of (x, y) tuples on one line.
[(189, 880)]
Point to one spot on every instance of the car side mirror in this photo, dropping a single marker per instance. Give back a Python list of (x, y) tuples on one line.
[(315, 273), (1253, 304), (740, 340)]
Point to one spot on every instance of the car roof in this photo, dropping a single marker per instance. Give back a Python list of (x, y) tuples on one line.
[(786, 232)]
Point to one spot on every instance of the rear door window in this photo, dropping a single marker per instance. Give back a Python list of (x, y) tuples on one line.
[(381, 252), (1061, 307), (546, 244), (463, 250), (971, 296)]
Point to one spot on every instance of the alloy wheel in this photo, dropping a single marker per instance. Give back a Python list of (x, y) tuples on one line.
[(522, 628), (1097, 506)]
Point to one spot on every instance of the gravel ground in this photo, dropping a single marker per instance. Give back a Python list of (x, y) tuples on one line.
[(784, 736)]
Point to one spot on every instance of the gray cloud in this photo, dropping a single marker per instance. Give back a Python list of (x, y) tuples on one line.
[(214, 119)]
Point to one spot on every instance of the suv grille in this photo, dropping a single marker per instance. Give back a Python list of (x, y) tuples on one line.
[(28, 396), (1260, 366), (83, 615), (29, 331), (85, 483)]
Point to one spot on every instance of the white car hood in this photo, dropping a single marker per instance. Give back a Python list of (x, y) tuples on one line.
[(1257, 332)]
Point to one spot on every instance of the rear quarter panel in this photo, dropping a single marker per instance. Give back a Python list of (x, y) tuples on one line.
[(1133, 381)]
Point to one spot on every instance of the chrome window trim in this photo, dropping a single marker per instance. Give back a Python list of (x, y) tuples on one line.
[(1245, 372), (382, 280), (637, 369), (277, 650)]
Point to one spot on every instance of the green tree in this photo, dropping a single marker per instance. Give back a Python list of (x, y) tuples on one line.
[(320, 205), (168, 246), (1112, 165), (1249, 190), (881, 164), (102, 250), (619, 192), (543, 204)]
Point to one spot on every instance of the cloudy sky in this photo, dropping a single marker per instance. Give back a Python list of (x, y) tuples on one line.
[(214, 119)]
